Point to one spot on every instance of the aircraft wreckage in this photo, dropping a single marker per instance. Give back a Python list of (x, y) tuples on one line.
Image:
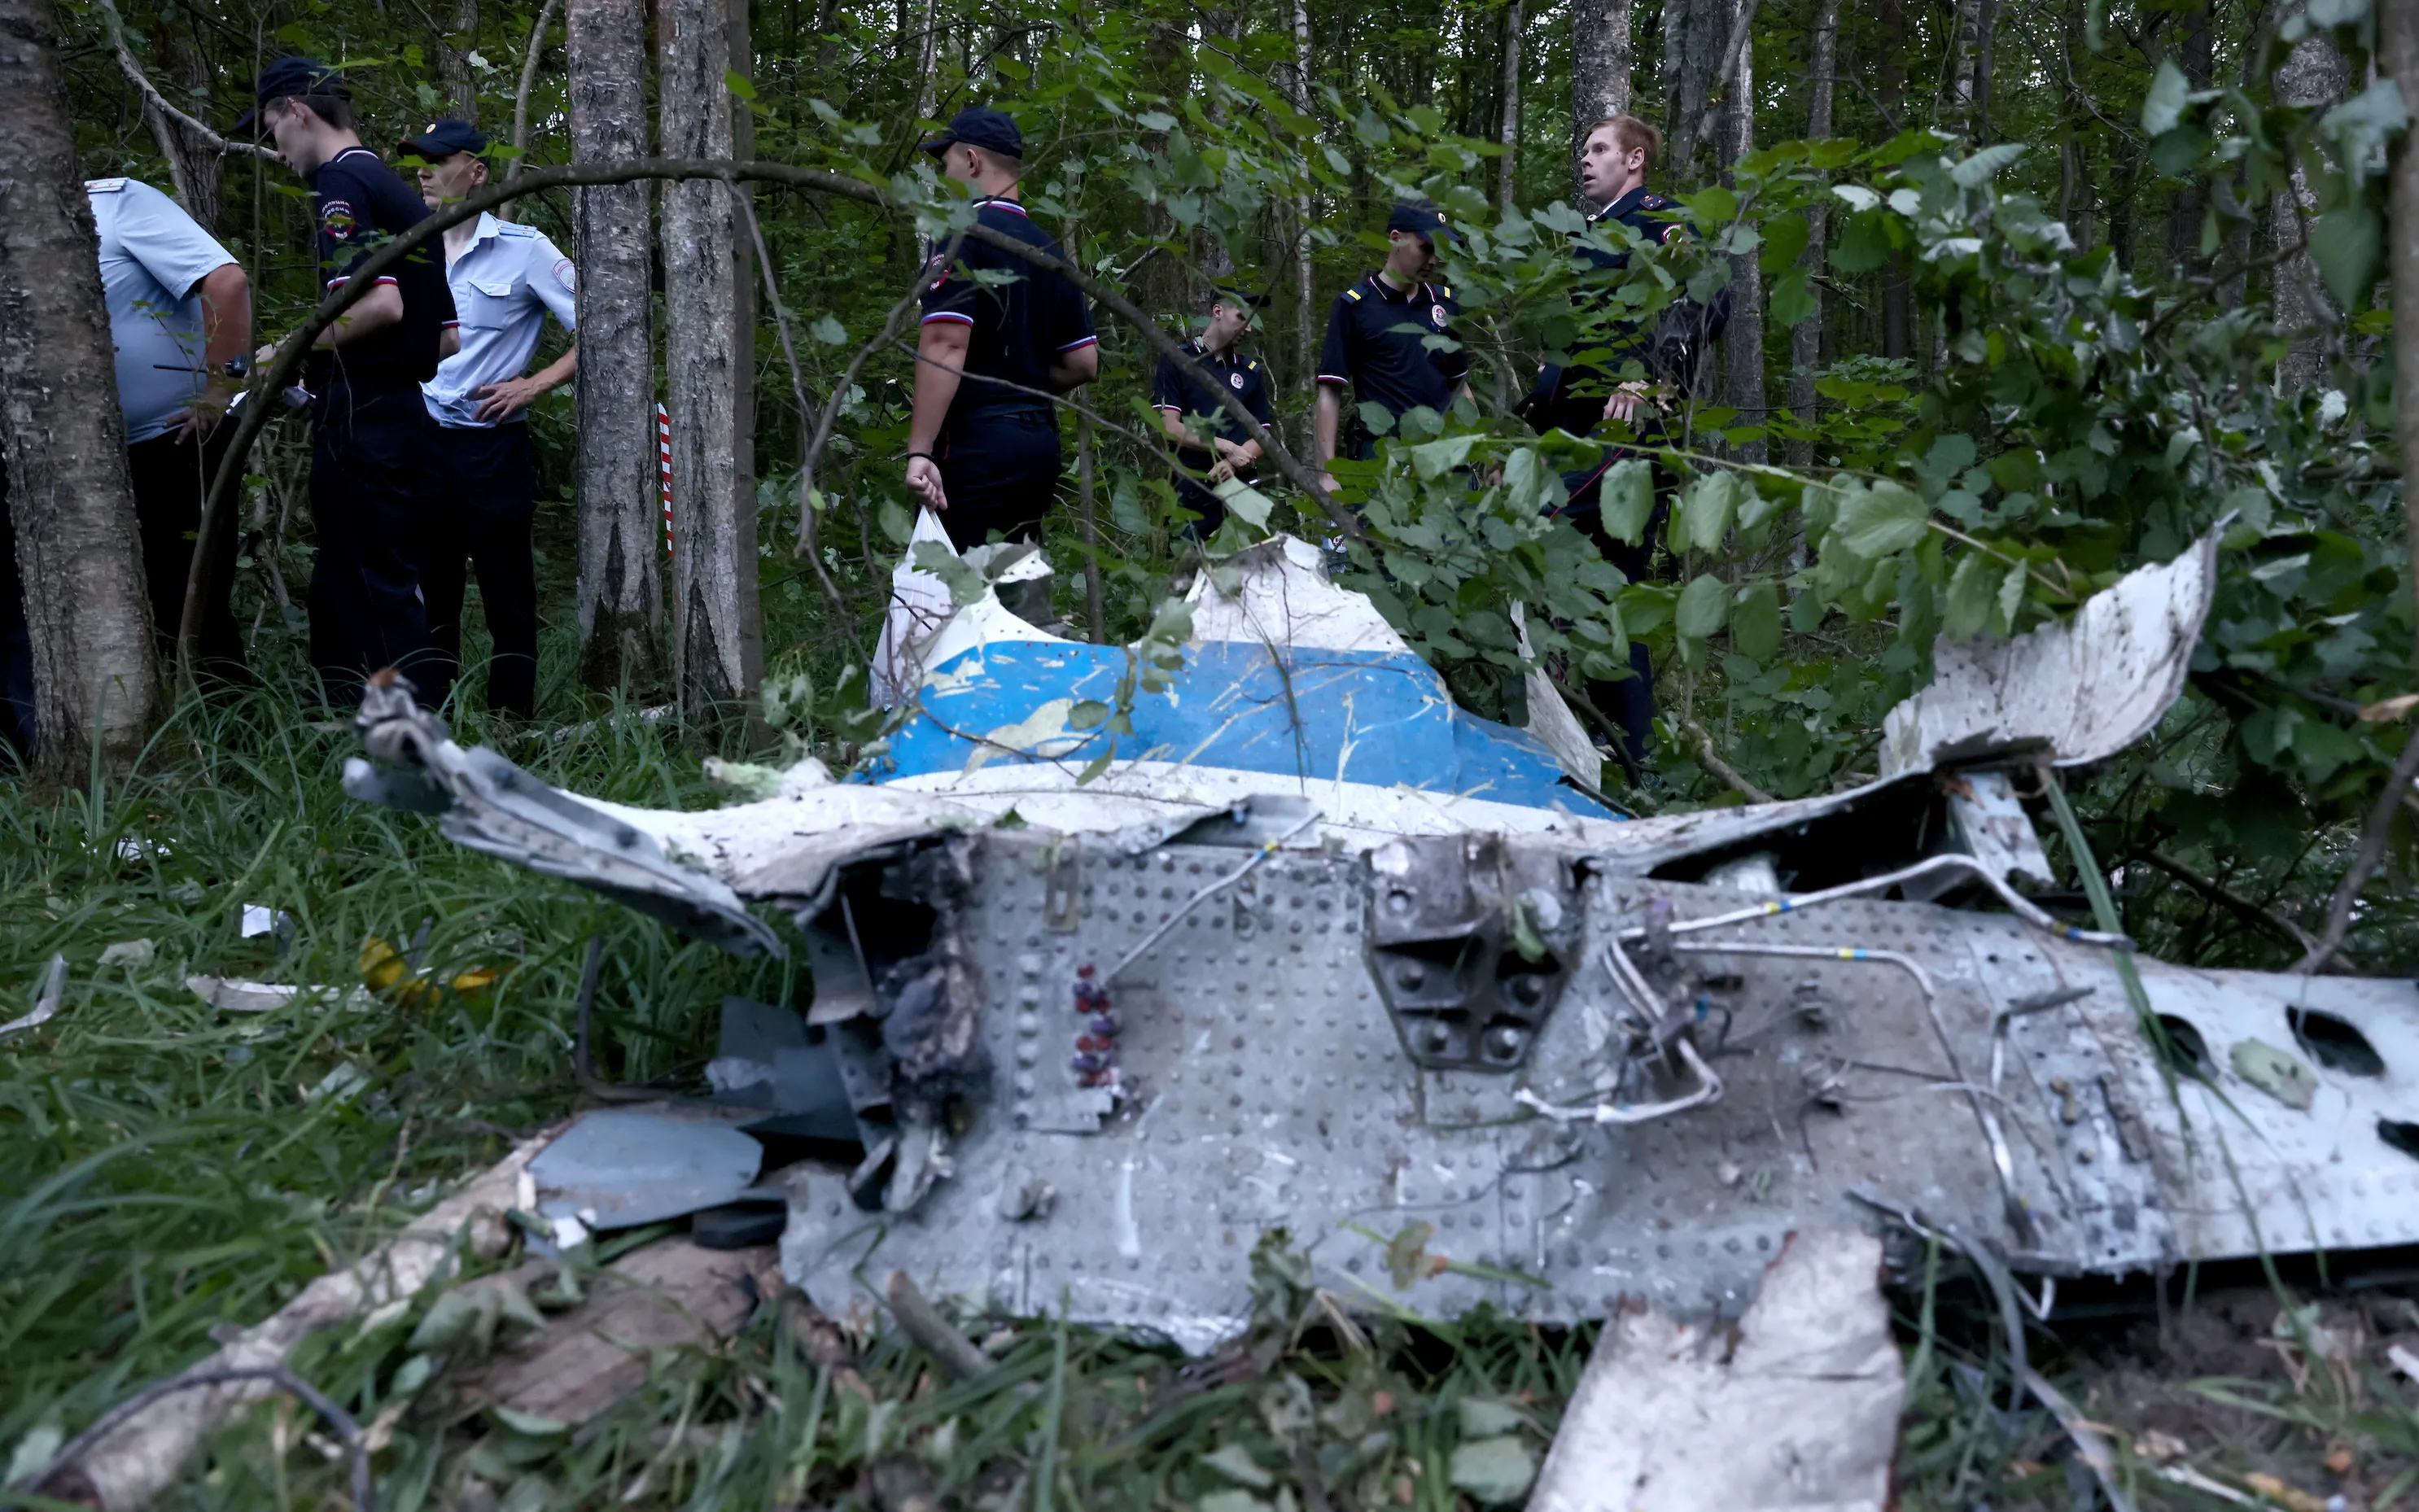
[(1318, 951)]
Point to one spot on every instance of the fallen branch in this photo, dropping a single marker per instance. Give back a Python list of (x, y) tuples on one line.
[(923, 1322), (69, 1484), (1719, 767), (129, 1462), (2218, 892), (2370, 857), (160, 102)]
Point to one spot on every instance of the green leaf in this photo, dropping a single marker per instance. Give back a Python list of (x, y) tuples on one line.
[(1791, 299), (1706, 511), (1434, 459), (1784, 239), (1979, 168), (1628, 500), (1098, 765), (2011, 598), (738, 84), (1755, 507), (828, 331), (1970, 599), (1494, 1471), (2170, 92), (1755, 621), (1087, 714), (2346, 244), (1535, 486), (896, 522), (1703, 605), (1236, 1463), (1245, 501), (1879, 520)]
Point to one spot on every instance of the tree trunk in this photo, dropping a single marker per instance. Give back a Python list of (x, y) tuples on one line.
[(1508, 171), (700, 366), (2312, 73), (1969, 86), (1601, 56), (1806, 338), (2398, 46), (1306, 327), (1693, 34), (742, 368), (621, 526), (1898, 315), (96, 672), (456, 30), (2197, 57), (1743, 344)]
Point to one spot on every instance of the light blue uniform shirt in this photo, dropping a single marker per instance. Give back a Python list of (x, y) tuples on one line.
[(505, 283), (153, 258)]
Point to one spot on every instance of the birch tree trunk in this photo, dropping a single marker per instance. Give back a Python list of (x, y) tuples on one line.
[(2312, 73), (1508, 171), (621, 528), (1806, 337), (1743, 344), (743, 399), (95, 673), (1898, 314), (2398, 48), (1601, 57), (700, 359)]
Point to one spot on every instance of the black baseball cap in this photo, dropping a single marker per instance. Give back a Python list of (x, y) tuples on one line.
[(443, 139), (292, 76), (979, 126), (1422, 218)]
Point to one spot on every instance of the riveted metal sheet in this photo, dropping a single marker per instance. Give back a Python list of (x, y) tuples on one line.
[(1267, 1087)]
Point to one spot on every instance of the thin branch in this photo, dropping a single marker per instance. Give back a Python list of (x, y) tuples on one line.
[(830, 412), (797, 389), (2244, 908), (2371, 856), (159, 101), (66, 1480), (1719, 767), (521, 95)]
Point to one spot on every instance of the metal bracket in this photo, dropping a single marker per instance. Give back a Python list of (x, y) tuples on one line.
[(1470, 942)]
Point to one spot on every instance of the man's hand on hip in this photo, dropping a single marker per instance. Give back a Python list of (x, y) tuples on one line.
[(500, 401)]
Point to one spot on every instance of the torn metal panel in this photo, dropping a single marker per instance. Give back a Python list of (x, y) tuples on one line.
[(1795, 1407), (620, 1167), (2085, 688)]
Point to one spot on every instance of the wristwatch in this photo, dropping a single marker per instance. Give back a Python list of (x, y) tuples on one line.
[(238, 367)]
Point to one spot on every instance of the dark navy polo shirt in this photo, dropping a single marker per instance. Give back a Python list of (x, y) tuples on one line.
[(1652, 217), (1374, 337), (1017, 330), (1173, 389), (360, 204)]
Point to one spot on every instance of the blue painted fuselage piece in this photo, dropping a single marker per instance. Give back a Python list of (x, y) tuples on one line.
[(1303, 714)]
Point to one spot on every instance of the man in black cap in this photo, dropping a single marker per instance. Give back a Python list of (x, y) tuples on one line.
[(481, 484), (1378, 330), (1211, 444), (370, 429), (982, 446)]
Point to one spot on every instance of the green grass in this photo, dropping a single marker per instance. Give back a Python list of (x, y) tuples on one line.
[(166, 1169)]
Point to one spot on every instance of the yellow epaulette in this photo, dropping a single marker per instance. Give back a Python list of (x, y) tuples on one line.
[(1352, 294)]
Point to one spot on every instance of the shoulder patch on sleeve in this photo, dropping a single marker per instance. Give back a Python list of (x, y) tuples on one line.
[(566, 274), (336, 219), (103, 186), (1672, 232)]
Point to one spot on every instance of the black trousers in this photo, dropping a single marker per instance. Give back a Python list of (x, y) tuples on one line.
[(1628, 701), (171, 477), (366, 456), (1000, 469), (479, 491)]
